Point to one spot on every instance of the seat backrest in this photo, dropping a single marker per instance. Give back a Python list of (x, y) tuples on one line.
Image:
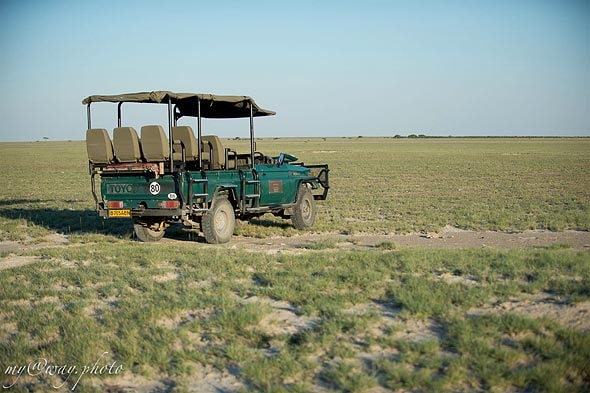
[(154, 144), (191, 146), (217, 147), (99, 146), (126, 144)]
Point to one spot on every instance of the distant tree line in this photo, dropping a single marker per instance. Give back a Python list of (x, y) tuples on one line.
[(486, 136), (417, 136)]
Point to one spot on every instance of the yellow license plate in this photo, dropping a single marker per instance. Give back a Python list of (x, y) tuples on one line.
[(120, 213)]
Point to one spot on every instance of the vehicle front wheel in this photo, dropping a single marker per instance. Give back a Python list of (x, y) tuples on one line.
[(148, 233), (304, 213), (219, 222)]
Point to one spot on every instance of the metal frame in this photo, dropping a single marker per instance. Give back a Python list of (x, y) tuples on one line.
[(199, 135), (119, 114), (248, 204), (252, 148), (170, 140), (172, 121)]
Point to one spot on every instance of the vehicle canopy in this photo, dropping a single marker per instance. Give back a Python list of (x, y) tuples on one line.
[(187, 104), (134, 180)]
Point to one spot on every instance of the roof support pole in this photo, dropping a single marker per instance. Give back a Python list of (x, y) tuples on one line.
[(88, 116), (199, 140), (251, 135), (170, 134), (119, 114)]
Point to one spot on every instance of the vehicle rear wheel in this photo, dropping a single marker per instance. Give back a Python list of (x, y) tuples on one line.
[(149, 233), (219, 222), (304, 212)]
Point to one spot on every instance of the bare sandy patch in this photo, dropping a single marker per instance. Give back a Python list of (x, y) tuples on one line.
[(14, 261), (8, 330), (184, 318), (448, 238), (165, 277), (283, 319), (53, 240), (454, 279), (543, 305)]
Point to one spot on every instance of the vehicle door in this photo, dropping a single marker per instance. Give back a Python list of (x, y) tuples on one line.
[(278, 184)]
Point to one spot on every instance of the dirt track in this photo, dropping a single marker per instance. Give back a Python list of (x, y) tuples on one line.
[(449, 237), (284, 318)]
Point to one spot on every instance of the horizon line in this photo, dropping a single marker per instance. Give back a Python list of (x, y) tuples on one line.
[(397, 136)]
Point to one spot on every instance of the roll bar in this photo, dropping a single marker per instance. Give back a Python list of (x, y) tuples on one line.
[(172, 122)]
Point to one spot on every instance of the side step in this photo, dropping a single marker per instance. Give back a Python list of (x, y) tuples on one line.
[(205, 195), (254, 198)]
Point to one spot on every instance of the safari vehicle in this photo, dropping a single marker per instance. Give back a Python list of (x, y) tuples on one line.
[(179, 178)]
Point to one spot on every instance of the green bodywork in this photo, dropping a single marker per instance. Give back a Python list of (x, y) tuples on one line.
[(278, 188), (189, 178)]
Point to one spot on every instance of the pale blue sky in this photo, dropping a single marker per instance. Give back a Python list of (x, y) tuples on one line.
[(328, 68)]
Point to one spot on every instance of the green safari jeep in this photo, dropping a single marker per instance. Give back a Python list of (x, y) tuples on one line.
[(158, 178)]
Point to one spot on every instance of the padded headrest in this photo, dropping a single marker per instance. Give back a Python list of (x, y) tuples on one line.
[(126, 144), (99, 146), (154, 143)]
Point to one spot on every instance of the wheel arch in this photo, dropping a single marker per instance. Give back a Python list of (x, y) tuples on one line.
[(226, 191), (305, 183)]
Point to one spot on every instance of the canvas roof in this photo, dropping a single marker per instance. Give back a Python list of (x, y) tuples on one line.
[(212, 106)]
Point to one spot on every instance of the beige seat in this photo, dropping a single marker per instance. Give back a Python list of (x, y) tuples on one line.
[(126, 144), (187, 137), (99, 146), (212, 143), (154, 144)]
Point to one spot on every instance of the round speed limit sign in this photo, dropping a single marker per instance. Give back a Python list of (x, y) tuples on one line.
[(154, 188)]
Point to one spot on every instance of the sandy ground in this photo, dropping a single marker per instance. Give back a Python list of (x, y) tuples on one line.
[(285, 319), (449, 237)]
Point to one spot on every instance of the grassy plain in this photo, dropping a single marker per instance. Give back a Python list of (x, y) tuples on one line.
[(185, 316), (379, 185)]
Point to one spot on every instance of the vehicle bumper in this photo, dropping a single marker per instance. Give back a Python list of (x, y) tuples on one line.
[(136, 213), (321, 176)]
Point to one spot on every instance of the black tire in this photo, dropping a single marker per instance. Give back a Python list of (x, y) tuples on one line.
[(304, 212), (146, 234), (219, 222)]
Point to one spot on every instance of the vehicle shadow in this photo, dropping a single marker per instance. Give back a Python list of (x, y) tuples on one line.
[(179, 233), (270, 223), (87, 221), (15, 202), (62, 221)]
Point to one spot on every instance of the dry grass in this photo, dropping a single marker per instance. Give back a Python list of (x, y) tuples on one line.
[(379, 185), (186, 316)]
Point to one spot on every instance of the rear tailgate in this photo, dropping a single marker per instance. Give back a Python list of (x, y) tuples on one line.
[(126, 196)]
